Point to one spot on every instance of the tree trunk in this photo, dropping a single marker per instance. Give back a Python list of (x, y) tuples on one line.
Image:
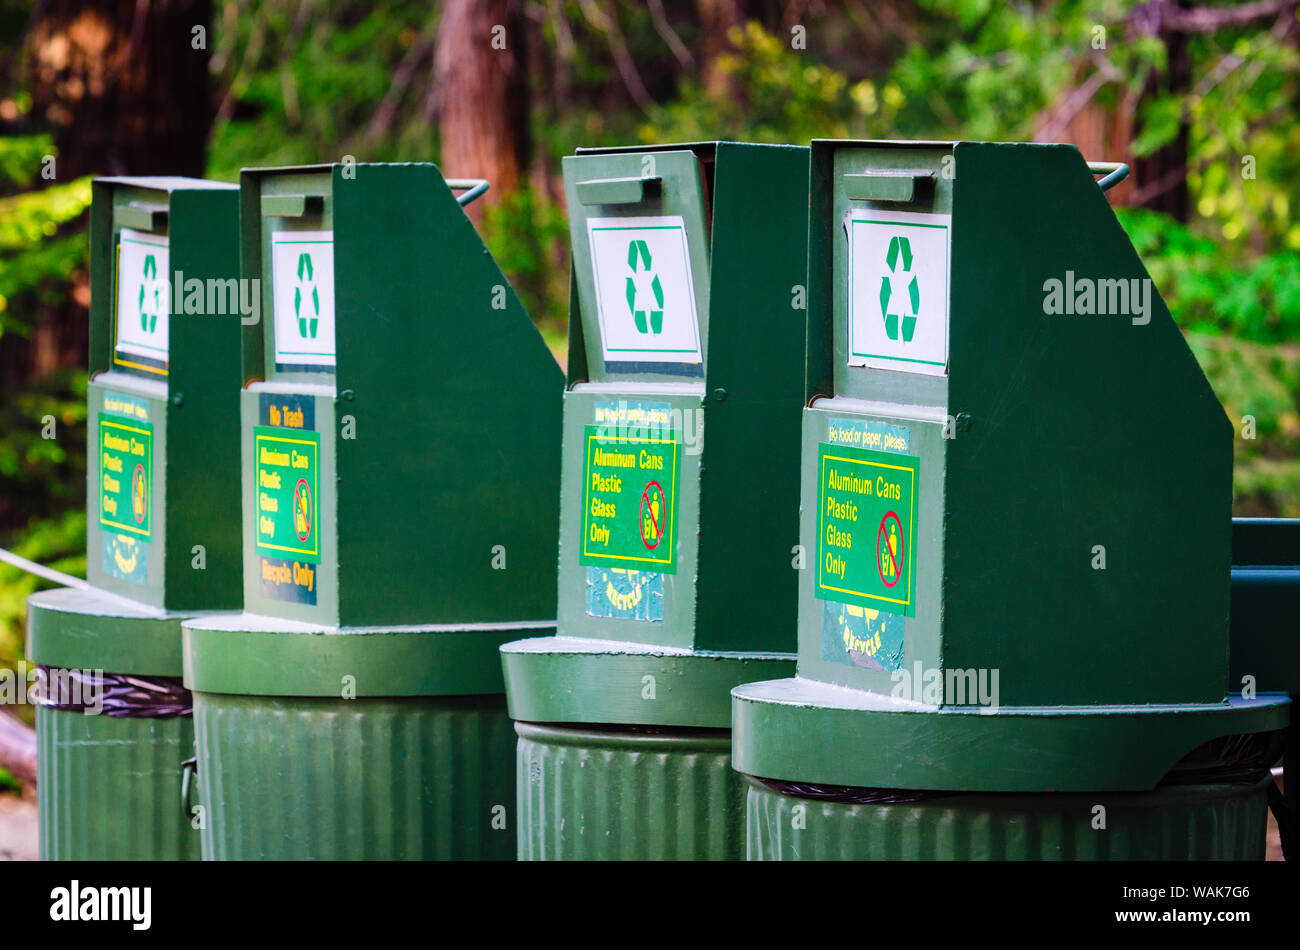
[(481, 75), (1160, 179), (122, 86), (717, 18), (123, 90)]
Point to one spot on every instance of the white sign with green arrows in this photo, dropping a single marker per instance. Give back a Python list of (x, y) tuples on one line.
[(302, 289), (645, 297), (898, 290), (143, 295)]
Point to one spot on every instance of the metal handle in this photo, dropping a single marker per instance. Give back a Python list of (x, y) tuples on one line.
[(477, 187), (189, 768), (1115, 173)]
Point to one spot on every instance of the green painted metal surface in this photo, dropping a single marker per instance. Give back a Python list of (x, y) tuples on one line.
[(364, 779), (438, 422), (89, 629), (1265, 637), (575, 679), (259, 656), (109, 788), (1053, 457), (746, 262), (399, 492), (1187, 823), (989, 515), (187, 397), (600, 795), (651, 637), (800, 730)]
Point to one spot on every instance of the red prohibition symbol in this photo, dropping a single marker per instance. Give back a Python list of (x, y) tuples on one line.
[(889, 549), (302, 513), (653, 511)]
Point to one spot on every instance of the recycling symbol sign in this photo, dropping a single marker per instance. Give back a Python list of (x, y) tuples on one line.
[(142, 301), (302, 297), (304, 290), (642, 290), (150, 295), (638, 259), (897, 286), (898, 290)]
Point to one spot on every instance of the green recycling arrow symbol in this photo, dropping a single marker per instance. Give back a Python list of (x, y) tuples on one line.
[(149, 282), (900, 252), (639, 254), (307, 322)]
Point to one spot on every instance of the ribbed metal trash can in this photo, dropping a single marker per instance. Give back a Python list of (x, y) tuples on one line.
[(593, 794), (109, 782), (404, 778), (348, 745), (1186, 823)]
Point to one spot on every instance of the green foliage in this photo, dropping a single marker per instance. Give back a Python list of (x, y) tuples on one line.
[(44, 491), (42, 427), (305, 84), (19, 155), (42, 236), (1243, 318), (986, 70), (783, 97), (58, 542), (528, 235), (1216, 289)]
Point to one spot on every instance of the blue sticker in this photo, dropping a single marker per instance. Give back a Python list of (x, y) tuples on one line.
[(286, 410), (292, 581), (863, 637), (868, 434), (131, 407), (126, 558), (620, 594)]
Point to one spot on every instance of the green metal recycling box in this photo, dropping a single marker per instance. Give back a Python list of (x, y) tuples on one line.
[(162, 537), (678, 513), (400, 426), (1016, 492)]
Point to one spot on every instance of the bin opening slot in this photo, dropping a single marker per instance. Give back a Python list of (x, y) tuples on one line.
[(895, 184), (617, 191), (143, 216), (292, 206)]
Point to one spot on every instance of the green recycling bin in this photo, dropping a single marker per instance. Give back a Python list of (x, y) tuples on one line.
[(400, 475), (1265, 640), (113, 723), (1013, 635), (678, 513)]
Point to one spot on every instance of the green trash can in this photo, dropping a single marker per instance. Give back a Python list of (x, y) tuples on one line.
[(109, 745), (399, 519), (352, 744), (162, 536), (678, 512), (1013, 639)]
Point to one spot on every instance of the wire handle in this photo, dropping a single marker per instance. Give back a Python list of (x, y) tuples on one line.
[(1115, 173), (476, 187)]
